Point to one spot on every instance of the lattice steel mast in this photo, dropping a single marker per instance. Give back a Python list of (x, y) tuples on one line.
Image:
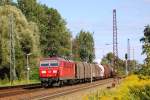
[(115, 43), (12, 49)]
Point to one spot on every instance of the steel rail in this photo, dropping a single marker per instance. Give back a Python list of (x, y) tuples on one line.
[(18, 86), (69, 91), (15, 90)]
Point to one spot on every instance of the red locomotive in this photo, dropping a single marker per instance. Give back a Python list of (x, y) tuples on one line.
[(57, 71)]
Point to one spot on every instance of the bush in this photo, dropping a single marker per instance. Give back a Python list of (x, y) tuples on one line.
[(34, 74), (131, 88), (140, 92), (143, 71)]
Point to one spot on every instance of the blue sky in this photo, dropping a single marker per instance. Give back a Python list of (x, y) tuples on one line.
[(96, 16)]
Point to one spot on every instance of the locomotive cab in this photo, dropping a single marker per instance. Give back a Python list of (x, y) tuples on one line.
[(49, 71)]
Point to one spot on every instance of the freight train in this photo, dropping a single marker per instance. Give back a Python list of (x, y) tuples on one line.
[(59, 71)]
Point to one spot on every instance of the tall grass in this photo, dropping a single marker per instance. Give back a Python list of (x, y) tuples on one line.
[(131, 88)]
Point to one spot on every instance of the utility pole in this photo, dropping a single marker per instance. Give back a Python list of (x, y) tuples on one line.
[(115, 38), (28, 68), (126, 63), (71, 47), (12, 49), (91, 73), (0, 40), (128, 51), (127, 57), (134, 60), (133, 53)]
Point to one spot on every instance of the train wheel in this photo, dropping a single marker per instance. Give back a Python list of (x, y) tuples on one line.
[(71, 82), (60, 83), (45, 85)]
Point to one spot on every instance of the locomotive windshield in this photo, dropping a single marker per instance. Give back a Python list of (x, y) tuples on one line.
[(49, 63), (44, 64), (53, 63)]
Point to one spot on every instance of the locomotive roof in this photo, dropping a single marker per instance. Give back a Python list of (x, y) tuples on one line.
[(56, 58)]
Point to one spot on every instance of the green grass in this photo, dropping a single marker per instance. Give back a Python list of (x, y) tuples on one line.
[(17, 82)]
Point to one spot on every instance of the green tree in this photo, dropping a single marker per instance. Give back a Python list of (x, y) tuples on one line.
[(26, 40), (83, 46), (7, 2), (58, 38), (55, 38), (28, 7), (108, 59), (146, 44), (75, 50)]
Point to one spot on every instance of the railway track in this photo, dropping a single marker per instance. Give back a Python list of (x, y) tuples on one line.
[(19, 89), (49, 93), (19, 86), (71, 90)]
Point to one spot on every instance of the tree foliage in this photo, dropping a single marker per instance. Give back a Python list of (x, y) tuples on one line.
[(144, 71), (7, 2), (108, 59), (39, 30), (26, 39), (146, 44), (55, 38), (83, 46)]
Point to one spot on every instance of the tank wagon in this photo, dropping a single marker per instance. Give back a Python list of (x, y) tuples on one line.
[(59, 71)]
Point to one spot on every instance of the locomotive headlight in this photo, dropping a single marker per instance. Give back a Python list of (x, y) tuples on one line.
[(43, 72), (54, 71)]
